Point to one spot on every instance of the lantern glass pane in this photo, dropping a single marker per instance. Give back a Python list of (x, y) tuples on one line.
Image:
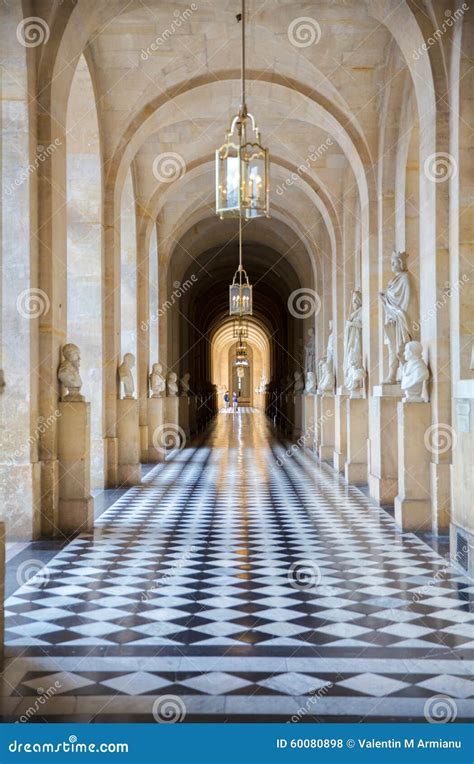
[(228, 179), (254, 180)]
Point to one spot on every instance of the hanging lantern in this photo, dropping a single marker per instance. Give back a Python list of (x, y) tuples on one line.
[(242, 171), (240, 328), (241, 354), (242, 163), (240, 294)]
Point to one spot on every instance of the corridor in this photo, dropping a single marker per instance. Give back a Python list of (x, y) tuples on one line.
[(241, 582)]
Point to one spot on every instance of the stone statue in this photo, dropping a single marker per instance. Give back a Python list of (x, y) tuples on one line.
[(310, 387), (68, 373), (326, 366), (157, 381), (414, 373), (399, 305), (126, 376), (354, 374), (298, 386), (172, 383), (353, 340), (310, 353), (185, 389)]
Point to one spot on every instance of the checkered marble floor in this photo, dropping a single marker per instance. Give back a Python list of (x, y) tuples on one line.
[(241, 590)]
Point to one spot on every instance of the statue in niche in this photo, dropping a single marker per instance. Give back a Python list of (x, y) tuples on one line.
[(172, 383), (69, 375), (310, 353), (354, 373), (185, 388), (414, 373), (157, 381), (298, 385), (126, 376), (399, 305), (326, 366), (310, 386)]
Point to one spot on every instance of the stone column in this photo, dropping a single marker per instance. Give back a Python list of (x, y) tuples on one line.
[(326, 428), (413, 503), (76, 505), (340, 434), (128, 437), (357, 423), (156, 411), (383, 454)]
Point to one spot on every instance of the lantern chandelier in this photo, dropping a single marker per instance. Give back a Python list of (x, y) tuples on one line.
[(242, 183), (241, 354)]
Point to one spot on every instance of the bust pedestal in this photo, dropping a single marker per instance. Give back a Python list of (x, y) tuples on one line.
[(309, 419), (172, 410), (355, 468), (340, 432), (76, 505), (184, 414), (326, 427), (155, 409), (383, 459), (192, 415), (298, 415), (413, 503), (128, 435)]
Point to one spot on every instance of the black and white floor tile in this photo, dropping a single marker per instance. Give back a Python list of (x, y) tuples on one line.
[(246, 589)]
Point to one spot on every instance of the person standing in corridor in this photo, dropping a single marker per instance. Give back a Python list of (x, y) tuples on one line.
[(235, 402)]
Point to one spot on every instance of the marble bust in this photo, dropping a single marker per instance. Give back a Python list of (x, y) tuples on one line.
[(353, 340), (298, 385), (68, 373), (414, 373), (172, 383), (126, 375), (157, 381), (310, 353), (185, 388), (310, 386), (399, 306)]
